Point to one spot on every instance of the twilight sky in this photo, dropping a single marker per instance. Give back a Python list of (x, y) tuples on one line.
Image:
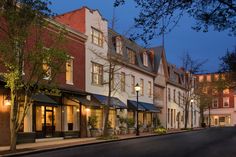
[(200, 46)]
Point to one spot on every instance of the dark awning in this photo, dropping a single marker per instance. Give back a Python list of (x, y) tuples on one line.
[(42, 98), (115, 102), (142, 106), (150, 107), (133, 105), (87, 102)]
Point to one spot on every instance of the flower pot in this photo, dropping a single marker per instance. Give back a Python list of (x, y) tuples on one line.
[(131, 130), (94, 132)]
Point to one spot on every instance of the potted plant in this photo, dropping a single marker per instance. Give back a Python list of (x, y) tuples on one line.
[(92, 122), (130, 125), (140, 126), (123, 129), (110, 129), (149, 127)]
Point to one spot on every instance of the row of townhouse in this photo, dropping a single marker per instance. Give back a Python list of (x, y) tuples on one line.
[(222, 109), (84, 88)]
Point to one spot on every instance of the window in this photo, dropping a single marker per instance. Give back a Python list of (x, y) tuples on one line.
[(226, 91), (179, 97), (70, 117), (142, 86), (168, 117), (69, 72), (97, 74), (133, 84), (145, 59), (46, 70), (122, 82), (215, 103), (150, 88), (208, 78), (118, 45), (216, 77), (174, 97), (168, 94), (97, 37), (226, 102), (131, 55), (200, 78)]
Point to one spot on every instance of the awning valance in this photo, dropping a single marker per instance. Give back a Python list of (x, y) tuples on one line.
[(87, 102), (142, 106), (42, 98), (115, 102)]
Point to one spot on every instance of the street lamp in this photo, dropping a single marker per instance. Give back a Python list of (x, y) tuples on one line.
[(137, 89), (192, 112)]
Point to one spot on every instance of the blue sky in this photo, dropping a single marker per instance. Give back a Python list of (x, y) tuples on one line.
[(201, 46)]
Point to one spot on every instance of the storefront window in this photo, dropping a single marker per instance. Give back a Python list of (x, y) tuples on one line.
[(112, 118), (98, 114), (140, 118), (149, 119), (39, 118), (70, 117)]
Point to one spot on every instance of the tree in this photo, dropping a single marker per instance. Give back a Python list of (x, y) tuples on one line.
[(228, 65), (157, 17), (191, 67), (27, 59)]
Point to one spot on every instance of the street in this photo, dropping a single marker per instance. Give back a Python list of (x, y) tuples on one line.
[(213, 142)]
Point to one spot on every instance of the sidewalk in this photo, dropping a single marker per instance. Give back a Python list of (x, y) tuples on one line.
[(67, 143)]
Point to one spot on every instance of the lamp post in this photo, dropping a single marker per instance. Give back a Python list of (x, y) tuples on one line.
[(137, 89), (192, 113)]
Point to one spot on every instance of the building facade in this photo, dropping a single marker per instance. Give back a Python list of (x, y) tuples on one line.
[(222, 109)]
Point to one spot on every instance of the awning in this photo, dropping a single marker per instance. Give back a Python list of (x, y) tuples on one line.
[(115, 102), (42, 98), (142, 106), (150, 107), (133, 105), (87, 102)]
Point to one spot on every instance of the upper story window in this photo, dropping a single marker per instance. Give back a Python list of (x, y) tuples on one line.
[(69, 71), (131, 55), (226, 102), (133, 84), (215, 103), (169, 94), (216, 77), (179, 97), (142, 86), (97, 74), (208, 78), (226, 91), (46, 70), (201, 78), (145, 59), (150, 89), (97, 37), (122, 82), (174, 95), (119, 45)]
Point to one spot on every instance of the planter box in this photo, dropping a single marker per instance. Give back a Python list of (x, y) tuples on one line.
[(26, 137), (131, 130)]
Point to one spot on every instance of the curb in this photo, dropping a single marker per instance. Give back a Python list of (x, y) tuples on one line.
[(93, 143)]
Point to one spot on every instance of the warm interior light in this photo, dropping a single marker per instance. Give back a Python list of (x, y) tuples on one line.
[(7, 101), (137, 88), (77, 110), (192, 101), (87, 109)]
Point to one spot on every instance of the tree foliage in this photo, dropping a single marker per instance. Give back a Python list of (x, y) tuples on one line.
[(157, 17), (26, 58)]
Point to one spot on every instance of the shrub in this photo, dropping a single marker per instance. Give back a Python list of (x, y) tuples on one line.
[(130, 122), (160, 131), (92, 122)]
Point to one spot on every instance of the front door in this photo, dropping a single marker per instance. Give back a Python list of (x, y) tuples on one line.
[(49, 126)]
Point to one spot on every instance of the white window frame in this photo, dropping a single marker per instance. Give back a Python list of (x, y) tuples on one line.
[(71, 60), (225, 100), (145, 59), (142, 86), (213, 103), (97, 75), (122, 82), (119, 45), (133, 84), (97, 37), (149, 89)]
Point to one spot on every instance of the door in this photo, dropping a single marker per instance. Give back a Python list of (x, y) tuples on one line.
[(49, 122)]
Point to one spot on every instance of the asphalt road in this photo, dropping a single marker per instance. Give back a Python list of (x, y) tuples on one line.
[(214, 142)]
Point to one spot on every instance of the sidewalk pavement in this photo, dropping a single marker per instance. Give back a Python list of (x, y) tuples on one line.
[(67, 143)]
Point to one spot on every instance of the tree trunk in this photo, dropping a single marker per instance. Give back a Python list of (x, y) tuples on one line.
[(13, 139), (13, 128), (186, 116)]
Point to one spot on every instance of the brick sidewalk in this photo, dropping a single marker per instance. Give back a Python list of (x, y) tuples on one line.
[(66, 143)]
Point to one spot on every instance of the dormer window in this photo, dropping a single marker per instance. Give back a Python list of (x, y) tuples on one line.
[(131, 55), (145, 59), (119, 45)]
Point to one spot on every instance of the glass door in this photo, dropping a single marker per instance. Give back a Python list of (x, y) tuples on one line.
[(49, 122)]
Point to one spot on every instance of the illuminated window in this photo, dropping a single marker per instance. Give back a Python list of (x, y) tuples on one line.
[(97, 74), (119, 45), (226, 102), (226, 91), (215, 103), (122, 82), (201, 78), (46, 70), (70, 117), (216, 77), (97, 37), (149, 88), (208, 78), (69, 72), (145, 59)]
